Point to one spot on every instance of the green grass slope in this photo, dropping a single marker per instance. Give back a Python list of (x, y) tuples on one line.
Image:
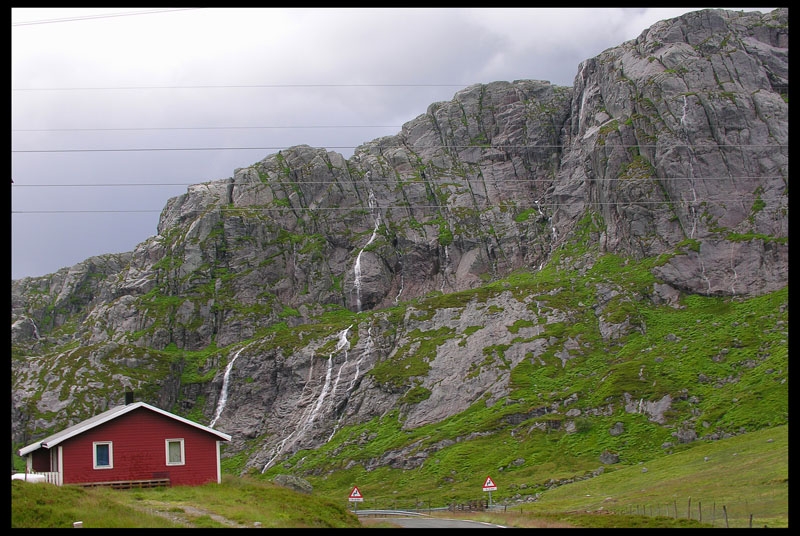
[(737, 482)]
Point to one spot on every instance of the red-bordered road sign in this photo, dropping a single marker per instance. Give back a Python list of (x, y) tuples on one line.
[(355, 495), (489, 485)]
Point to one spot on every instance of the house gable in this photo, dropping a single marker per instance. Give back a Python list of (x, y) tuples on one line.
[(113, 413), (132, 443), (140, 445)]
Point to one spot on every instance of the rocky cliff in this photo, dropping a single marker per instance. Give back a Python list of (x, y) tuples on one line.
[(309, 292)]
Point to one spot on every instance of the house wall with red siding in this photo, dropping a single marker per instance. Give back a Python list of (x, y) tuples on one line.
[(139, 451), (41, 460)]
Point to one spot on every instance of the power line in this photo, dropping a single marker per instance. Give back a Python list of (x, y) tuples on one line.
[(232, 86), (250, 210), (379, 181), (168, 149), (112, 211), (105, 16), (278, 148), (199, 128)]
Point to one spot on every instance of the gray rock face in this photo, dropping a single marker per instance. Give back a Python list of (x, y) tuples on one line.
[(673, 144), (294, 482), (669, 142), (609, 458)]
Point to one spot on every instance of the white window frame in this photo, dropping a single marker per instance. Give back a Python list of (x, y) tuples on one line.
[(110, 445), (167, 443)]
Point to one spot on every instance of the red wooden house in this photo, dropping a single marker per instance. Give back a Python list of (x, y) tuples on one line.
[(129, 446)]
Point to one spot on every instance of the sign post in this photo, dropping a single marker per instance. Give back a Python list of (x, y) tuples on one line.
[(489, 486), (355, 497)]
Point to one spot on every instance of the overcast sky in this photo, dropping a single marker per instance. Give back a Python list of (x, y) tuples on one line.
[(114, 111)]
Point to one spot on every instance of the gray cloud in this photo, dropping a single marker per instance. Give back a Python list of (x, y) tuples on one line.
[(67, 207)]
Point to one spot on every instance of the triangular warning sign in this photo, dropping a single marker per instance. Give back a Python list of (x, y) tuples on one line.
[(489, 485), (355, 495)]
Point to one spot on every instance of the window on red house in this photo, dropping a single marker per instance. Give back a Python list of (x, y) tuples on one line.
[(103, 455), (175, 452)]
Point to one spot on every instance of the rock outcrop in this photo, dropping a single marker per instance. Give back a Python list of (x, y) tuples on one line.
[(672, 146)]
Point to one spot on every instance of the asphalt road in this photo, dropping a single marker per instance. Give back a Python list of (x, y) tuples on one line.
[(437, 523)]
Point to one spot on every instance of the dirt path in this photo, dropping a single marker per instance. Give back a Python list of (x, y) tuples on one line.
[(184, 514)]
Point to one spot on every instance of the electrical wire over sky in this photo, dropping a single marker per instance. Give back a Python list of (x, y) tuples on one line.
[(115, 110)]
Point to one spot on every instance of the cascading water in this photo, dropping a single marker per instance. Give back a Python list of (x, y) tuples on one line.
[(367, 351), (343, 344), (553, 231), (444, 269), (223, 397), (694, 203), (357, 268), (400, 291), (330, 387), (305, 422), (691, 167)]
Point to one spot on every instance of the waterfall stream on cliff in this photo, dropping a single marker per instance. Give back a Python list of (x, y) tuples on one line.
[(305, 422)]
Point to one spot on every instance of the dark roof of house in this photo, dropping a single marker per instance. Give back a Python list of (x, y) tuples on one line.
[(113, 413)]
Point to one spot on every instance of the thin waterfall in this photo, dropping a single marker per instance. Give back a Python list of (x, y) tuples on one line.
[(444, 269), (343, 344), (367, 351), (357, 268), (733, 269), (35, 327), (691, 167), (553, 232), (402, 282), (223, 397), (305, 422)]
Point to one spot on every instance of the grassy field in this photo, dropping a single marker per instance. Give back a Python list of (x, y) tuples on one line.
[(737, 482), (722, 483), (236, 503)]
